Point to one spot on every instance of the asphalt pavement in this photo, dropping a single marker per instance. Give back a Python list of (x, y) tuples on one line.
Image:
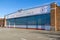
[(25, 34)]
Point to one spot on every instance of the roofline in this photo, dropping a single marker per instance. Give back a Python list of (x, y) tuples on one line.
[(30, 8)]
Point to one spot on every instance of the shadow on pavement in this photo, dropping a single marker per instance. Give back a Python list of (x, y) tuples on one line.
[(50, 33), (55, 37)]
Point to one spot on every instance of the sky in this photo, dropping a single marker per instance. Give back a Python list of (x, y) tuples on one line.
[(10, 6)]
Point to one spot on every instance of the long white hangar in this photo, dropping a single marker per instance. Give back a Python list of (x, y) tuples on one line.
[(36, 17)]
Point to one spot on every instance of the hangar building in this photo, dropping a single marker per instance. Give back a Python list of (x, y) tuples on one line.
[(41, 17)]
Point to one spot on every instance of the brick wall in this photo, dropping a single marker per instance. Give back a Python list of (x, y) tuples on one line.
[(58, 17), (1, 22), (57, 25)]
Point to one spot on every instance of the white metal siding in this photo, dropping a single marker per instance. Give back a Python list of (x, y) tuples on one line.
[(34, 11)]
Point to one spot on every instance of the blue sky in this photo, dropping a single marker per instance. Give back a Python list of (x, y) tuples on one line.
[(10, 6)]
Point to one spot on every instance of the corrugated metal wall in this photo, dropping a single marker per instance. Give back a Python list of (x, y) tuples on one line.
[(38, 18), (36, 21)]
